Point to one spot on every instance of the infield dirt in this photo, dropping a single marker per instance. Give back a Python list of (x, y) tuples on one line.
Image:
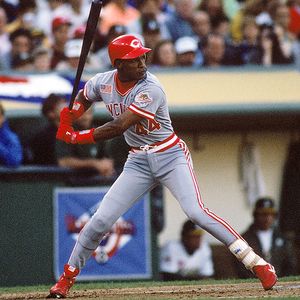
[(217, 291)]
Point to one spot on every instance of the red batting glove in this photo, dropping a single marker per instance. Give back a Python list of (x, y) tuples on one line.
[(83, 137), (64, 133), (66, 118), (68, 135)]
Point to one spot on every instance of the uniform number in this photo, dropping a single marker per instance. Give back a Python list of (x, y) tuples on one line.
[(151, 126)]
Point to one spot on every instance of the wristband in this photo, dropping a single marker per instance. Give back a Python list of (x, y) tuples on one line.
[(83, 137), (77, 110)]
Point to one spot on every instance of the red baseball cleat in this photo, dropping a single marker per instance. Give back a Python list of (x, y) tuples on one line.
[(64, 283), (267, 275)]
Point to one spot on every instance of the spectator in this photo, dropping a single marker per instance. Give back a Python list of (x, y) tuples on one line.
[(186, 50), (21, 47), (254, 8), (88, 156), (150, 7), (266, 240), (102, 54), (213, 50), (214, 8), (179, 23), (46, 13), (201, 25), (10, 10), (164, 54), (72, 52), (77, 11), (276, 50), (187, 259), (117, 12), (41, 60), (22, 62), (282, 40), (25, 16), (42, 145), (251, 48), (11, 152), (221, 26), (5, 44), (61, 32), (150, 33)]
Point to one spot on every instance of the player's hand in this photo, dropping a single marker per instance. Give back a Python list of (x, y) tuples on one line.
[(64, 133), (66, 117), (68, 135)]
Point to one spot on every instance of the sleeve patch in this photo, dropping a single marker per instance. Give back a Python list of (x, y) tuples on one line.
[(143, 99)]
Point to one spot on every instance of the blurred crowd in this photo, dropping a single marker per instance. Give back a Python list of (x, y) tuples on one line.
[(46, 35)]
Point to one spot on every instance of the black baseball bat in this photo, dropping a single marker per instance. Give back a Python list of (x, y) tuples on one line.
[(88, 37)]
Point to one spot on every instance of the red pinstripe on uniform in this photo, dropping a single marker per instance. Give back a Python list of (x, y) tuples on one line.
[(185, 149)]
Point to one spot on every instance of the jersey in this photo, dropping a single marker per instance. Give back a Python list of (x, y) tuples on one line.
[(146, 98)]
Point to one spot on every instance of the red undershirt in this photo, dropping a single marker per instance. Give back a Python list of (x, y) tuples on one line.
[(124, 87)]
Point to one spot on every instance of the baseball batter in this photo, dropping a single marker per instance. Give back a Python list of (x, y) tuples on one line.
[(137, 102)]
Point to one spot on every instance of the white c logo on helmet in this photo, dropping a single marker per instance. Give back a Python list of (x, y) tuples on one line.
[(135, 43)]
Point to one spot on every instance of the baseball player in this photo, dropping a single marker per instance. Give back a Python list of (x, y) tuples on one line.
[(137, 102)]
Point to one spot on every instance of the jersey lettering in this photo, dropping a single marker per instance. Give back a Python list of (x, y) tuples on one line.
[(151, 126), (116, 109), (140, 129)]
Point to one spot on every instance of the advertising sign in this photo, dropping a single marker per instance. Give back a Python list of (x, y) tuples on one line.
[(125, 253)]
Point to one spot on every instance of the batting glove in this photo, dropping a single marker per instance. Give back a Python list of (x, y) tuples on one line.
[(68, 135), (67, 117)]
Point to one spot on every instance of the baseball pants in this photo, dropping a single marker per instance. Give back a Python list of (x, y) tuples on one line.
[(142, 171)]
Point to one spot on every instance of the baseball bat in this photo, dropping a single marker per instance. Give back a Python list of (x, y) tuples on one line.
[(88, 37)]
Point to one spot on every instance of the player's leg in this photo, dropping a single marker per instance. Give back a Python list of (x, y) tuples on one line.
[(182, 183), (127, 189)]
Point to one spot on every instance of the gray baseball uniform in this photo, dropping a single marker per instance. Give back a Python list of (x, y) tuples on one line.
[(157, 156)]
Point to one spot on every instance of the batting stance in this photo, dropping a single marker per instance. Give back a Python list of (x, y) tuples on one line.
[(137, 102)]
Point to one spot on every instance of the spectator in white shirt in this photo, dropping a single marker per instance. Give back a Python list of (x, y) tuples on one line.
[(188, 258)]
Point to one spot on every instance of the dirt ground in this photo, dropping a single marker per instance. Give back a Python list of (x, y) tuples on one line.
[(220, 291)]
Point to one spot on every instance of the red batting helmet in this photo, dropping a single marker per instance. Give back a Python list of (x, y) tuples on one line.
[(126, 46)]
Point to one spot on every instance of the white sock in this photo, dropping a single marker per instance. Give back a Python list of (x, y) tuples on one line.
[(244, 253)]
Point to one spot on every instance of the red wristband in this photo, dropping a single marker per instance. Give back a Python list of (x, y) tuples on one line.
[(83, 137), (77, 110)]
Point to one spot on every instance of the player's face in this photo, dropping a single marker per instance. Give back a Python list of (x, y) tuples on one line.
[(132, 69)]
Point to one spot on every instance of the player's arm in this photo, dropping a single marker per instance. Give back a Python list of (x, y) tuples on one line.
[(107, 131), (80, 105), (117, 126)]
